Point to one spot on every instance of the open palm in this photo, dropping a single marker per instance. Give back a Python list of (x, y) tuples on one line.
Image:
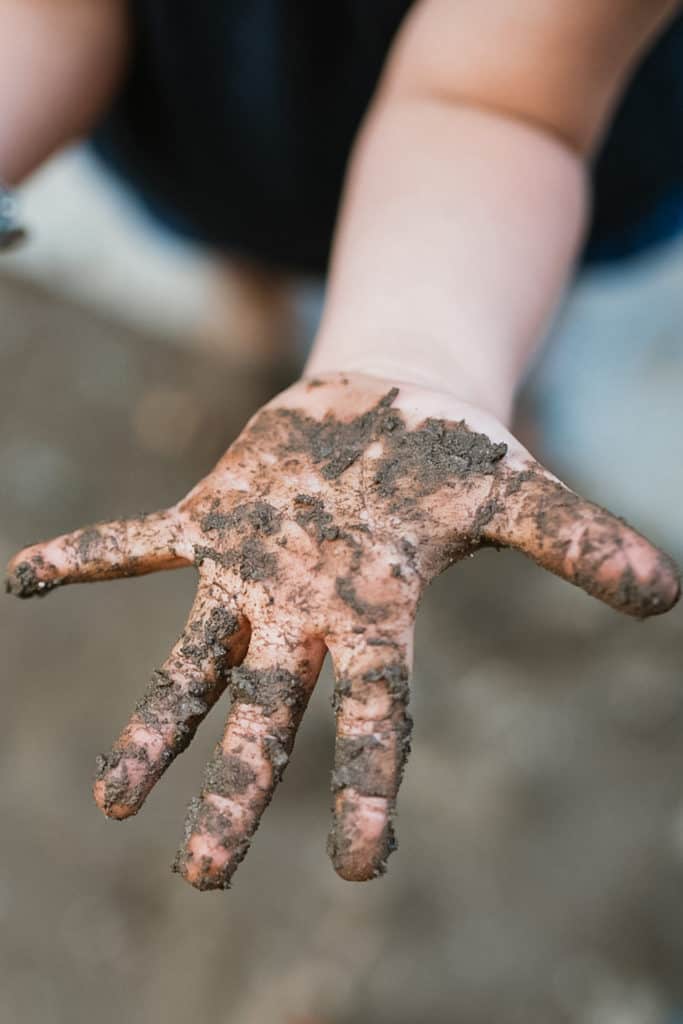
[(319, 530)]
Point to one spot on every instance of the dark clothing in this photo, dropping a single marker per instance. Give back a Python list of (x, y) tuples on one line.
[(237, 119)]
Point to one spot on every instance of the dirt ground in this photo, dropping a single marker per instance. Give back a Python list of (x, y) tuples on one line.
[(540, 873)]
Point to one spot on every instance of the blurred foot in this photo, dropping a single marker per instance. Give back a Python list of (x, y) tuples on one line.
[(252, 316)]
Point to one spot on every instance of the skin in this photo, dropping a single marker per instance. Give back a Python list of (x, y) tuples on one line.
[(303, 547)]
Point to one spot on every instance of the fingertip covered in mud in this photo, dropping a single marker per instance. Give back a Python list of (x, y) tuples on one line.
[(362, 837), (25, 579), (212, 848), (653, 594)]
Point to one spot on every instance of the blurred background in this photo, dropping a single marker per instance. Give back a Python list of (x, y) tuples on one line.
[(539, 878)]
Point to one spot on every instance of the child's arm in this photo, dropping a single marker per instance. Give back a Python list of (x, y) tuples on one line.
[(467, 196), (323, 524), (60, 61)]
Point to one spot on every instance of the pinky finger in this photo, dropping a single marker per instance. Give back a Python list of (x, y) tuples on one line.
[(126, 547)]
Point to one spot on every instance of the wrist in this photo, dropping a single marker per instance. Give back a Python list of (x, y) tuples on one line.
[(418, 362), (452, 252)]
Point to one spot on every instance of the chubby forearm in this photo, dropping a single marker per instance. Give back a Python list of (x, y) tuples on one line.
[(458, 233), (466, 199), (60, 61)]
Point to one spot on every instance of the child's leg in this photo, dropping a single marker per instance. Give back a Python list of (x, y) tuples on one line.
[(252, 316), (60, 61)]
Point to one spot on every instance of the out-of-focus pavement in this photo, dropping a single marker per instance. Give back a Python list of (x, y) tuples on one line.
[(539, 878)]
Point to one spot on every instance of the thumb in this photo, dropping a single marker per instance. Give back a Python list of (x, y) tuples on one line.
[(583, 543)]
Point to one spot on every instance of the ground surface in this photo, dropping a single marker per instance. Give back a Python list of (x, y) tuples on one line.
[(540, 873)]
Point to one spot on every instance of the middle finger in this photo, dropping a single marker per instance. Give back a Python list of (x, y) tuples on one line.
[(270, 693)]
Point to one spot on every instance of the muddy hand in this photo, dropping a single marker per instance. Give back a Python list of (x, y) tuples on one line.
[(319, 530)]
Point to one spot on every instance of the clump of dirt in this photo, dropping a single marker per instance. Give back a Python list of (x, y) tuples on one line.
[(259, 515), (254, 561), (119, 793), (432, 455), (361, 763), (211, 640), (89, 544), (277, 748), (183, 704), (428, 457), (251, 559), (343, 837), (485, 513), (311, 515), (95, 545), (269, 688), (227, 775), (396, 676), (24, 582), (370, 766), (333, 444)]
